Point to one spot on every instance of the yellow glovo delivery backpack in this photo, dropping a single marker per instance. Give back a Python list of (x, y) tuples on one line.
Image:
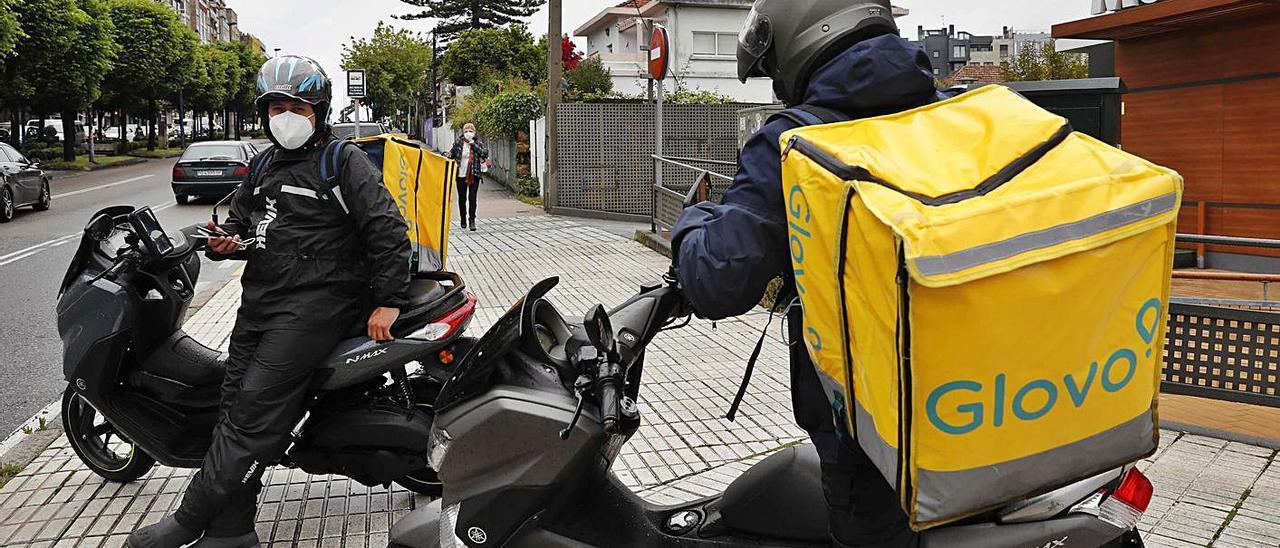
[(984, 295), (421, 182)]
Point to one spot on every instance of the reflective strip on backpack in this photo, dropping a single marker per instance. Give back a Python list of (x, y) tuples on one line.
[(997, 251)]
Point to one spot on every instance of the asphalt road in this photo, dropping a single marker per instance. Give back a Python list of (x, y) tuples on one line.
[(35, 249)]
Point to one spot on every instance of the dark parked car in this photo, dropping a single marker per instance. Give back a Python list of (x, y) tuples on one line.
[(211, 169), (22, 183), (367, 129)]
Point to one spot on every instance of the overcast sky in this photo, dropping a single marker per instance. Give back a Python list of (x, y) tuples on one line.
[(319, 28)]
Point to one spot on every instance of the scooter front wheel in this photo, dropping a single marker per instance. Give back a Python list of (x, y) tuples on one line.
[(98, 444), (423, 482)]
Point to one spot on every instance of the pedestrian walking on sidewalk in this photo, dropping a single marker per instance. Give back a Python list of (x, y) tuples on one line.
[(471, 154), (315, 267)]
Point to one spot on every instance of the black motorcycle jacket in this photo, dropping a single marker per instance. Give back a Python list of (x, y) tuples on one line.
[(310, 261)]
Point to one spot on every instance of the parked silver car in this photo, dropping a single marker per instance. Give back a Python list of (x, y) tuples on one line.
[(22, 183)]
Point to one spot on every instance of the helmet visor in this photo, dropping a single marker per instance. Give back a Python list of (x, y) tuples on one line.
[(757, 33)]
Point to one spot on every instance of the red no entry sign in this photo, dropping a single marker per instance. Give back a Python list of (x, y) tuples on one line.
[(659, 53)]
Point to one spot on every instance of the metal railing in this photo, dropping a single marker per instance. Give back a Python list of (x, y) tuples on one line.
[(1225, 349), (669, 200)]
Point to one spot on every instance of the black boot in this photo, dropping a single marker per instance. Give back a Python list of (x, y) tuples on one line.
[(168, 533), (473, 225), (247, 540)]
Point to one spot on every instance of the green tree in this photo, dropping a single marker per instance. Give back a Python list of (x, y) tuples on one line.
[(507, 51), (67, 50), (243, 97), (157, 57), (10, 29), (459, 16), (396, 64), (590, 80), (1043, 61)]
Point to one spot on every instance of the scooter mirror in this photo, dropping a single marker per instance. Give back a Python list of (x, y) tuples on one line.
[(599, 329), (100, 227)]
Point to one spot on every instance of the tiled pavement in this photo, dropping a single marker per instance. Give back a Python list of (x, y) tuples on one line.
[(1208, 491)]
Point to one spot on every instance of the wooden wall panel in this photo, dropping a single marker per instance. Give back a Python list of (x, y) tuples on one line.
[(1200, 54), (1251, 143), (1181, 129)]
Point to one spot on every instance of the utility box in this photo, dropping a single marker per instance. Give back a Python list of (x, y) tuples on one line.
[(1092, 105)]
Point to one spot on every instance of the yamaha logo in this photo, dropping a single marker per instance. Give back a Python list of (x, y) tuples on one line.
[(477, 535)]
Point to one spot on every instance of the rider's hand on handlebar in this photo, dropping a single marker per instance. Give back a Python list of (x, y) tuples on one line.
[(224, 245), (380, 323)]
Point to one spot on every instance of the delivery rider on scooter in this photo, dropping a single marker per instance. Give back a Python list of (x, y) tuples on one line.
[(321, 255), (843, 60)]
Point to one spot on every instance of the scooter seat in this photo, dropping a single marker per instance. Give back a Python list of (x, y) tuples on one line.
[(781, 497)]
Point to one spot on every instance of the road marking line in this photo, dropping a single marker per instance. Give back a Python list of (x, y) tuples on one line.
[(39, 245), (108, 185), (20, 257)]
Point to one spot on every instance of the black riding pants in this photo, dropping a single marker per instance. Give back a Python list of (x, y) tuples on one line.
[(263, 397), (467, 195), (862, 509)]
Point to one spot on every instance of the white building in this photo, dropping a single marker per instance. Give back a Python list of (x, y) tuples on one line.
[(705, 36)]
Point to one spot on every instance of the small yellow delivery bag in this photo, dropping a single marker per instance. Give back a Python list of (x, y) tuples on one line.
[(984, 293)]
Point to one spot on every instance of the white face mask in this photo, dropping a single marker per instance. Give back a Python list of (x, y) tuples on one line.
[(469, 135), (291, 130)]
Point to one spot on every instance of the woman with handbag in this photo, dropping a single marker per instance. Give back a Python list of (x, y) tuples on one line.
[(472, 157)]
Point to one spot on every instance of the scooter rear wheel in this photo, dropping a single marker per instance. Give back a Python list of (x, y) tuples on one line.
[(98, 444), (423, 482)]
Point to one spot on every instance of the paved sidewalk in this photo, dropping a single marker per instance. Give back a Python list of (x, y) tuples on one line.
[(1208, 491)]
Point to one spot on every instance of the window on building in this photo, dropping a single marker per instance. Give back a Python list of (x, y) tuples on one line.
[(959, 52), (719, 44), (935, 72), (935, 54), (963, 35), (1004, 50)]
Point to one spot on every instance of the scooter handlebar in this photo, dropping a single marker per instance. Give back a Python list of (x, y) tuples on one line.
[(610, 402)]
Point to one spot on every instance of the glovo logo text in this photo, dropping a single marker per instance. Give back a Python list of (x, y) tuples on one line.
[(997, 402), (798, 218)]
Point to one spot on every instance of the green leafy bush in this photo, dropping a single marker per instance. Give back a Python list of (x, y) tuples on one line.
[(590, 80), (509, 113), (528, 186)]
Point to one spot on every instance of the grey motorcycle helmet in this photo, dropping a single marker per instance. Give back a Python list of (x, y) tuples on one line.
[(297, 78), (787, 40)]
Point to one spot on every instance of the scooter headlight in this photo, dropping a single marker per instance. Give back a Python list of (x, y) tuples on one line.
[(437, 447)]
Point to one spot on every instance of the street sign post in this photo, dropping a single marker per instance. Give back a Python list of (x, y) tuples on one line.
[(355, 90), (659, 63)]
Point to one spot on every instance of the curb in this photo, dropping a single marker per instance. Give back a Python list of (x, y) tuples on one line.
[(654, 242), (22, 447), (1270, 443)]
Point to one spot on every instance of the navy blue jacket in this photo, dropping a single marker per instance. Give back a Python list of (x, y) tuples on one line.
[(725, 255)]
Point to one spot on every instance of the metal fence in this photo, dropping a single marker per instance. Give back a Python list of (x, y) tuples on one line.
[(1224, 349), (605, 163), (670, 193)]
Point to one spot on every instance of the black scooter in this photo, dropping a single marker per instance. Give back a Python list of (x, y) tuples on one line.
[(141, 390), (528, 427)]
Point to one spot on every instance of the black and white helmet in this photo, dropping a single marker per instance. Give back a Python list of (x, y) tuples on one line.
[(296, 78)]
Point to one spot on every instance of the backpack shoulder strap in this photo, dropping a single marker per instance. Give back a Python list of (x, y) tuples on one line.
[(331, 169), (810, 115), (257, 164)]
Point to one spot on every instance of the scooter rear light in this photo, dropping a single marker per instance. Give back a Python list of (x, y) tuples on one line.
[(449, 324), (1128, 502)]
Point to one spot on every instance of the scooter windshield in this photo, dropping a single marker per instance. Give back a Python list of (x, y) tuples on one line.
[(100, 236), (475, 372)]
